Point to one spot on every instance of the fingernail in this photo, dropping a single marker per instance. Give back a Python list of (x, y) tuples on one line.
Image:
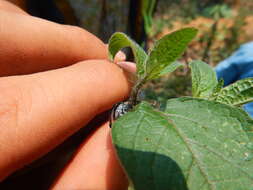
[(128, 66), (120, 56)]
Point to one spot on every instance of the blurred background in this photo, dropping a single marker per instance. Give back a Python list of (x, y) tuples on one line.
[(223, 26)]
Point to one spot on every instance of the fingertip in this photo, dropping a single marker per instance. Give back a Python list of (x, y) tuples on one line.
[(94, 85), (120, 56), (86, 45), (127, 66)]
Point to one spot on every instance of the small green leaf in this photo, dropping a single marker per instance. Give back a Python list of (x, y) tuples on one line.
[(195, 144), (170, 68), (217, 89), (204, 79), (219, 86), (118, 41), (238, 93), (167, 50)]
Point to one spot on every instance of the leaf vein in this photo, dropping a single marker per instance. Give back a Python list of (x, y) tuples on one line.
[(192, 152)]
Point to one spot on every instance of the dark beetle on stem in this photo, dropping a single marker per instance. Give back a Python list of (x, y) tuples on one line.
[(119, 109)]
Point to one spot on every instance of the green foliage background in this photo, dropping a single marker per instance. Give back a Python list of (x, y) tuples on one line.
[(234, 20)]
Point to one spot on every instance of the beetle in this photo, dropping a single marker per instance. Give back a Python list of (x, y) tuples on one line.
[(119, 110)]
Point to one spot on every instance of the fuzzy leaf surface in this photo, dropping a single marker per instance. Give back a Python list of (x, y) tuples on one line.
[(217, 89), (120, 40), (170, 68), (195, 144), (204, 79), (238, 93), (167, 50)]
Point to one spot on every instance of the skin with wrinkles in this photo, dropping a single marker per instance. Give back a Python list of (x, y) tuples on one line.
[(54, 80)]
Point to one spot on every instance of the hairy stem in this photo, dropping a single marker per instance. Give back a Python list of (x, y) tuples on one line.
[(135, 91)]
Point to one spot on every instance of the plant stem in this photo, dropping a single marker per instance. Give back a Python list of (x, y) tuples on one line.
[(135, 91), (206, 54)]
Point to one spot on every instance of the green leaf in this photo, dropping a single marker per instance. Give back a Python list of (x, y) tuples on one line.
[(204, 79), (218, 139), (167, 50), (217, 89), (139, 137), (196, 145), (118, 41), (147, 13), (219, 86), (238, 93), (170, 68)]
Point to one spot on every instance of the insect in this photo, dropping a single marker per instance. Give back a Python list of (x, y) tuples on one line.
[(118, 110)]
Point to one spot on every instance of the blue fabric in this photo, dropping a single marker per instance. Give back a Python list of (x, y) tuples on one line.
[(238, 66)]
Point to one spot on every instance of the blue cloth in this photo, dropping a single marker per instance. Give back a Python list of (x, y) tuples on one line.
[(238, 66)]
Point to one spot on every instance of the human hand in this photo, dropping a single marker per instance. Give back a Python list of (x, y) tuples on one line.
[(39, 110)]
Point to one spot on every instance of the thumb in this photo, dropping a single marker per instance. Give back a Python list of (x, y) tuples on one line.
[(41, 110)]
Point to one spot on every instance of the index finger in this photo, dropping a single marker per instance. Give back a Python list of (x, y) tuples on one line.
[(39, 111), (29, 44)]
